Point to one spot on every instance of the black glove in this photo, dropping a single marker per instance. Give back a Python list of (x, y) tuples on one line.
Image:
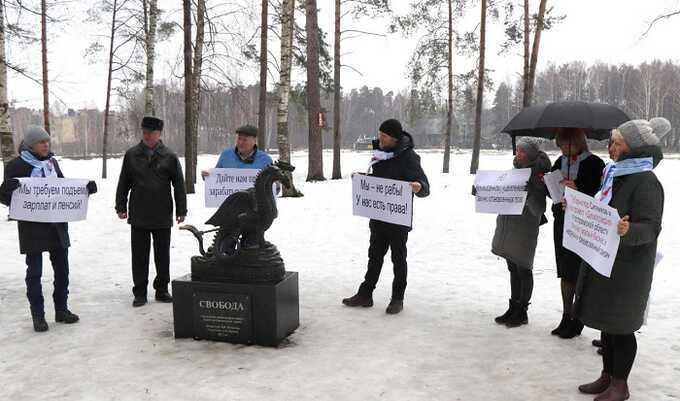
[(474, 191), (91, 187), (12, 184)]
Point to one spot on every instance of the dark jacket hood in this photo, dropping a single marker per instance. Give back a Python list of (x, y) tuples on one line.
[(652, 151)]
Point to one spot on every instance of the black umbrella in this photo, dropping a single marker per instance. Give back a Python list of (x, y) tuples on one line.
[(597, 119)]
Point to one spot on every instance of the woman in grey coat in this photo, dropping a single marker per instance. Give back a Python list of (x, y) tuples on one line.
[(516, 236), (616, 305)]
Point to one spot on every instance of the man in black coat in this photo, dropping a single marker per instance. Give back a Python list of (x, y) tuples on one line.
[(36, 160), (149, 169), (394, 159)]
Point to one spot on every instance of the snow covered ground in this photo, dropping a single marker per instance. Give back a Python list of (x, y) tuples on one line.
[(443, 346)]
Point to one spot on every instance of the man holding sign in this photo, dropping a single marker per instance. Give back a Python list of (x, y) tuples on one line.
[(35, 237), (393, 159), (149, 168)]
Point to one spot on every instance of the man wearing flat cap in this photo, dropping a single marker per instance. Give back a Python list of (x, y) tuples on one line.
[(245, 154), (149, 169), (395, 159)]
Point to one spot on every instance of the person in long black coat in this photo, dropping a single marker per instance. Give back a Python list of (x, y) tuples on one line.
[(616, 305), (582, 171), (36, 160), (149, 169), (394, 159)]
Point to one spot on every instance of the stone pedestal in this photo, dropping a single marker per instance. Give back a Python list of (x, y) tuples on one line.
[(242, 313)]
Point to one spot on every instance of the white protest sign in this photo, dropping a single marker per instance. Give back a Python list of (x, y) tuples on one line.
[(552, 182), (501, 192), (49, 200), (381, 199), (590, 231), (222, 182)]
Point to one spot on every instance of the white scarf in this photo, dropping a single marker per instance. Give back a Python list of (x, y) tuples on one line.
[(378, 156)]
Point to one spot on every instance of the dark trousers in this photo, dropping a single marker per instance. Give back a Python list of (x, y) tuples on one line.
[(141, 244), (618, 354), (34, 261), (521, 283), (385, 237)]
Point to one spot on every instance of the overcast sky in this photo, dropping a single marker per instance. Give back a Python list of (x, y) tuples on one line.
[(594, 30)]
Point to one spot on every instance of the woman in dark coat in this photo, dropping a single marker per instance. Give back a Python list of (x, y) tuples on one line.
[(516, 237), (616, 305), (36, 160), (582, 171)]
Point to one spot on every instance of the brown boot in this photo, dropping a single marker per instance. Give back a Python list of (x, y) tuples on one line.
[(617, 391), (596, 387)]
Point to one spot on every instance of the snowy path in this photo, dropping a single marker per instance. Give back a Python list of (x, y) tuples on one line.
[(444, 346)]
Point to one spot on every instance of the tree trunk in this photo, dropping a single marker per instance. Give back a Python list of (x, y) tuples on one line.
[(189, 142), (449, 108), (474, 165), (315, 168), (107, 108), (526, 97), (337, 99), (262, 109), (45, 80), (196, 87), (149, 108), (536, 46), (7, 147), (287, 24)]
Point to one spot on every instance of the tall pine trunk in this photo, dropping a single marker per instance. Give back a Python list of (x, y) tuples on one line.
[(262, 108), (45, 79), (337, 97), (449, 108), (7, 147), (526, 97), (476, 144), (149, 108), (196, 90), (287, 24), (315, 168), (189, 141), (535, 47), (107, 108)]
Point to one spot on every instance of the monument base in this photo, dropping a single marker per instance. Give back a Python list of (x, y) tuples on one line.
[(241, 313)]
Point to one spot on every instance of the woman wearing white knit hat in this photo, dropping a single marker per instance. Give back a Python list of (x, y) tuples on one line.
[(616, 305)]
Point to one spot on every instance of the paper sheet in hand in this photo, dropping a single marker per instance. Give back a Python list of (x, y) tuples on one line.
[(552, 182)]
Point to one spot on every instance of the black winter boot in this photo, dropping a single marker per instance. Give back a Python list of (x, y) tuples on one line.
[(65, 316), (573, 329), (563, 324), (395, 306), (39, 324), (139, 301), (359, 300), (502, 319), (163, 296), (519, 315)]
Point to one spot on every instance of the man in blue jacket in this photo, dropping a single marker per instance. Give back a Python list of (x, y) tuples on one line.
[(245, 154)]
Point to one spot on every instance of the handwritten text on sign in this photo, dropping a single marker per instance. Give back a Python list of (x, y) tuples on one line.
[(49, 200), (590, 231), (381, 199), (501, 192), (223, 182)]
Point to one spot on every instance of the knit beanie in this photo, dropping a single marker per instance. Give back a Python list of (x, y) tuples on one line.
[(639, 133), (35, 134), (531, 146), (392, 127)]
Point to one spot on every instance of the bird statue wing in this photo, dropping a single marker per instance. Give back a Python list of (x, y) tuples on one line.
[(227, 213)]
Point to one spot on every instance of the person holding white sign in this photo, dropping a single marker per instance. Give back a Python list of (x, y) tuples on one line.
[(616, 305), (581, 171), (394, 158), (516, 236), (36, 160), (245, 154)]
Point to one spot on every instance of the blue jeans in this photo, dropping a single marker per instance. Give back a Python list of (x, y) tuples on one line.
[(34, 261)]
